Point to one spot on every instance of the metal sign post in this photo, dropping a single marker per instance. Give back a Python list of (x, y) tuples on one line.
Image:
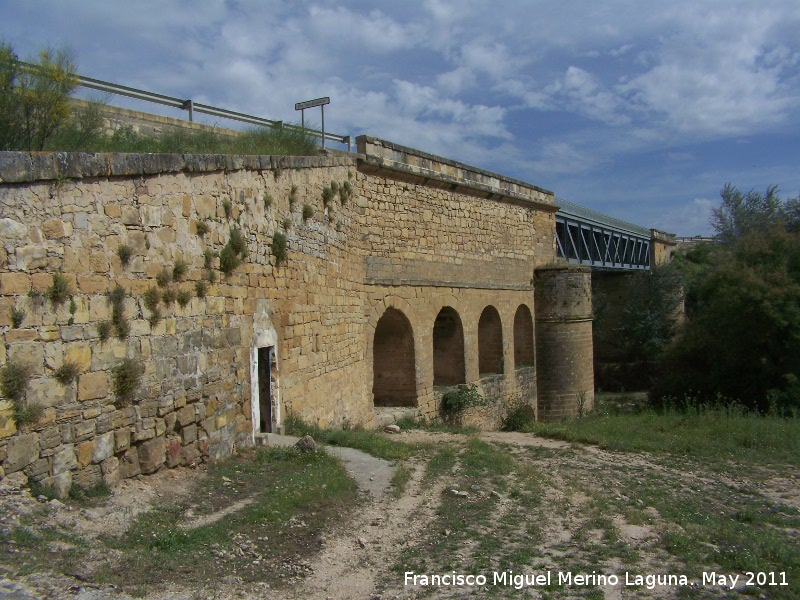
[(302, 106)]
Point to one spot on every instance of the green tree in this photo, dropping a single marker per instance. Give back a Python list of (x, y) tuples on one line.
[(741, 338), (629, 343), (741, 214), (35, 99)]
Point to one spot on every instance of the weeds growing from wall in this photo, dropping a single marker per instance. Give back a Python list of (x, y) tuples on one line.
[(124, 252), (201, 289), (14, 379), (168, 296), (278, 248), (184, 297), (164, 278), (66, 373), (327, 193), (126, 377), (227, 207), (308, 212), (104, 329), (292, 197), (208, 256), (59, 291), (117, 300), (17, 316), (179, 269), (232, 254), (151, 298), (268, 201), (345, 192), (201, 227)]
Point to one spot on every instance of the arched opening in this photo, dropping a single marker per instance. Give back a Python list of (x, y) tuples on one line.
[(523, 338), (393, 382), (490, 342), (448, 348)]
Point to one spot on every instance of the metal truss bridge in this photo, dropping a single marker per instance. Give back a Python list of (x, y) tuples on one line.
[(587, 237)]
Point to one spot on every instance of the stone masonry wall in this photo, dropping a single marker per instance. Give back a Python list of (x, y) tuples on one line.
[(404, 239), (69, 214)]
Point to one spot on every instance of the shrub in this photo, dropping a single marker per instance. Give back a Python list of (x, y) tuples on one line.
[(17, 316), (237, 242), (168, 296), (126, 377), (59, 291), (228, 260), (267, 201), (125, 252), (66, 373), (201, 289), (327, 194), (151, 298), (179, 269), (278, 247), (227, 207), (345, 191), (292, 197), (308, 212), (184, 297), (34, 102), (29, 414), (201, 227), (455, 402), (164, 278), (286, 224), (519, 416), (117, 299), (154, 318), (208, 256), (104, 329), (14, 378)]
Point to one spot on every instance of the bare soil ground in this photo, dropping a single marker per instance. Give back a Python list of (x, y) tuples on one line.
[(472, 504)]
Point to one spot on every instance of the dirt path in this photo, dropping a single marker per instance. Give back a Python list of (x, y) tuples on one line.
[(546, 504)]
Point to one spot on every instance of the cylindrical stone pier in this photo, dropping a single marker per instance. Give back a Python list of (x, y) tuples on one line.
[(564, 368)]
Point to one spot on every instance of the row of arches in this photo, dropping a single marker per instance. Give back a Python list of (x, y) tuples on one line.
[(394, 381)]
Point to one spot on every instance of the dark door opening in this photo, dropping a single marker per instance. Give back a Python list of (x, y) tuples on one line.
[(265, 389)]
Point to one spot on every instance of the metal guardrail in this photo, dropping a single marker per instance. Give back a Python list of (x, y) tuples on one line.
[(587, 237), (194, 107)]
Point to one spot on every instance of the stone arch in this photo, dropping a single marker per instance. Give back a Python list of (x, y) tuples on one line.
[(490, 342), (448, 348), (393, 361), (523, 338)]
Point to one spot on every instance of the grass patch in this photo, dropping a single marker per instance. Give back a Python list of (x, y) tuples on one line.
[(295, 497), (709, 433), (370, 442), (401, 477)]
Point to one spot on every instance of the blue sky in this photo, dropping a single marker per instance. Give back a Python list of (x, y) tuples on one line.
[(642, 110)]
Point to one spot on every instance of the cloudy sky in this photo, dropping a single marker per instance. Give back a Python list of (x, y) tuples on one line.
[(642, 110)]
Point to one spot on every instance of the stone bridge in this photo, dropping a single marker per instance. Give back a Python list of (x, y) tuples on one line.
[(405, 275)]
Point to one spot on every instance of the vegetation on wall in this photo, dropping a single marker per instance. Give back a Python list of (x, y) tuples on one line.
[(278, 247), (233, 253), (59, 290), (126, 377)]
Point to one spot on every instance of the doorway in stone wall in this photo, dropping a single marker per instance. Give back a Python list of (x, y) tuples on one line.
[(265, 383)]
